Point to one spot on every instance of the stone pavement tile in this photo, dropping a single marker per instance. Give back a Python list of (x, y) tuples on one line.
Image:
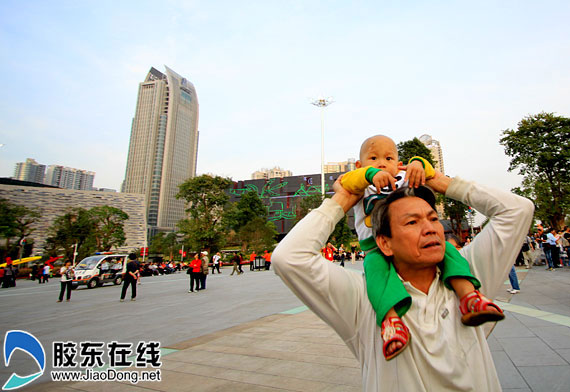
[(494, 344), (315, 372), (556, 336), (529, 321), (332, 350), (547, 378), (291, 336), (222, 379), (517, 390), (299, 357), (216, 359), (530, 352), (104, 386), (511, 327), (564, 353), (509, 376), (56, 387), (556, 308)]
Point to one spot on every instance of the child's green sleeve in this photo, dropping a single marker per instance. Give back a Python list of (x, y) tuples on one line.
[(430, 171), (356, 181)]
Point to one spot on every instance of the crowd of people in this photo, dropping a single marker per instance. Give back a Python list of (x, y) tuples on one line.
[(547, 246)]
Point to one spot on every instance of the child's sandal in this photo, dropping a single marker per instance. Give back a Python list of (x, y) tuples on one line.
[(394, 330), (475, 308)]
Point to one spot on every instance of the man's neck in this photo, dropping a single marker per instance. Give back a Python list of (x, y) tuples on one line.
[(421, 278)]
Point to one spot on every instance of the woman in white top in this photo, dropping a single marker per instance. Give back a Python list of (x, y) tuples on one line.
[(67, 275)]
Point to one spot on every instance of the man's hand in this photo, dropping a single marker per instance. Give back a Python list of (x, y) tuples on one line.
[(383, 179), (415, 174), (439, 182), (343, 197)]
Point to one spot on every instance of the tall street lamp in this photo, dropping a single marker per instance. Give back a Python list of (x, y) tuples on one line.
[(322, 103)]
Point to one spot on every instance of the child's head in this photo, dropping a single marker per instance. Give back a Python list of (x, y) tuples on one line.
[(380, 152)]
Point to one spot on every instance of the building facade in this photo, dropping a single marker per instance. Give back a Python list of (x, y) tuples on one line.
[(340, 167), (30, 171), (69, 178), (436, 151), (53, 202), (276, 172), (282, 196), (163, 148)]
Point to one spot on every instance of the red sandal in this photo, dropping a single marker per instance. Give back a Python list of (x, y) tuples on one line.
[(394, 330), (475, 309)]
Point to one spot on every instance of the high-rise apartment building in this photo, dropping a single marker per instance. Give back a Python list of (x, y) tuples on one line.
[(69, 178), (340, 167), (436, 152), (276, 172), (164, 145), (30, 171)]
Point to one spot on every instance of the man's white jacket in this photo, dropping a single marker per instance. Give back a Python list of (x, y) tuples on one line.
[(443, 354)]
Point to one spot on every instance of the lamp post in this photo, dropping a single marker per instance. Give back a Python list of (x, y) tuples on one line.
[(322, 103)]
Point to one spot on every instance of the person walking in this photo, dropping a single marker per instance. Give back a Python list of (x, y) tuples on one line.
[(67, 275), (46, 273), (267, 257), (216, 261), (527, 249), (131, 278), (515, 288), (236, 260), (205, 269)]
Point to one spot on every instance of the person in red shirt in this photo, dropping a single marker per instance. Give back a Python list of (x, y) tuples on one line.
[(195, 269), (252, 257), (328, 252), (267, 257)]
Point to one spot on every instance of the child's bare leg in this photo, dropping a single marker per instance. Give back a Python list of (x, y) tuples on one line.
[(396, 345)]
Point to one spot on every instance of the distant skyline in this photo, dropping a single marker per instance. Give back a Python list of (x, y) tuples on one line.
[(460, 72)]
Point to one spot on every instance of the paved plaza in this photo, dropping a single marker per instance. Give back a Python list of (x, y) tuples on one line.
[(249, 333)]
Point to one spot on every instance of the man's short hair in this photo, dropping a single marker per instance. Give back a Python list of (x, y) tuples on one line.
[(132, 256), (381, 214)]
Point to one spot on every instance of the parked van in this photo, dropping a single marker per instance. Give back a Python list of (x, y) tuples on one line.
[(99, 269)]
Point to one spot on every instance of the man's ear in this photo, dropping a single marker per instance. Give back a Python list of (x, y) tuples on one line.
[(385, 245), (358, 164)]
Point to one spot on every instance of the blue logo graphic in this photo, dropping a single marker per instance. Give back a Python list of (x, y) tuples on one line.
[(22, 340)]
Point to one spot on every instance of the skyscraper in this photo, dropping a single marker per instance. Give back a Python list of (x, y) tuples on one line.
[(436, 152), (30, 171), (164, 145)]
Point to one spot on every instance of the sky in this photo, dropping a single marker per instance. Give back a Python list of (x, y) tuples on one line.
[(462, 72)]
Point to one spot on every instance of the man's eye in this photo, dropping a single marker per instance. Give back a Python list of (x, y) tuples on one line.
[(435, 219), (412, 222)]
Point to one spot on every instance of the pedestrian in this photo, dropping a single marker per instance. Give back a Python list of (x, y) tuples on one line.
[(328, 252), (236, 261), (552, 239), (8, 274), (352, 254), (252, 257), (444, 354), (46, 273), (194, 270), (130, 278), (205, 269), (216, 261), (267, 257), (515, 288), (527, 249), (67, 275), (34, 272)]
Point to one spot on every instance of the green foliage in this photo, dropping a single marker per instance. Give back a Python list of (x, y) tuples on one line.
[(164, 244), (341, 234), (411, 148), (307, 204), (74, 227), (540, 149), (108, 227), (16, 221), (207, 200), (248, 208), (456, 212), (258, 235)]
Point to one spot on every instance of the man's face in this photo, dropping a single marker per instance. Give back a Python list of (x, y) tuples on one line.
[(417, 235), (379, 152)]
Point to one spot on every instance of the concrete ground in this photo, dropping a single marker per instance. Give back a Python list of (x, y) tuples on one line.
[(294, 351)]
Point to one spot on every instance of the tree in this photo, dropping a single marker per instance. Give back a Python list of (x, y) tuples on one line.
[(207, 199), (249, 207), (411, 148), (540, 149), (258, 235), (16, 221), (164, 244), (456, 212), (307, 204), (74, 227), (108, 227)]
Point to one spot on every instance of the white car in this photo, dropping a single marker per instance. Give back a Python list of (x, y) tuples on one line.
[(99, 269)]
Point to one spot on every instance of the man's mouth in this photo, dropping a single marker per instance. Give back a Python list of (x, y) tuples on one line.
[(431, 244)]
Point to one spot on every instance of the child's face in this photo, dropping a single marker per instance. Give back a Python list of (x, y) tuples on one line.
[(379, 152)]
